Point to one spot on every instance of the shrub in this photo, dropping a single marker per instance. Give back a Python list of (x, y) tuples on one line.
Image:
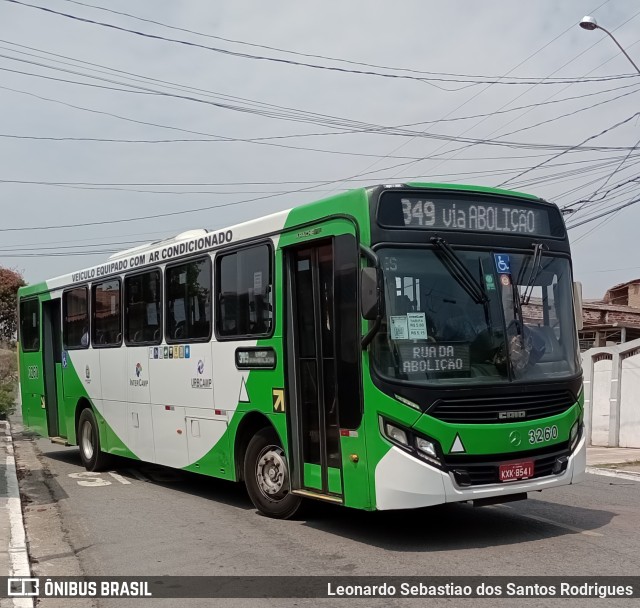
[(8, 381), (10, 281), (7, 400)]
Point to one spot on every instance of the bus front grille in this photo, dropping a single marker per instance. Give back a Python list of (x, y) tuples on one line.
[(483, 470), (491, 410)]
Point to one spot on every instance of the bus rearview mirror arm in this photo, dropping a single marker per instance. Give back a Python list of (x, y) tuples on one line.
[(371, 304), (577, 304)]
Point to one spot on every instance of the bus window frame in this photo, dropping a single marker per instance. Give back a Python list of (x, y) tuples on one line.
[(182, 262), (87, 288), (272, 266), (125, 315), (20, 303), (94, 344)]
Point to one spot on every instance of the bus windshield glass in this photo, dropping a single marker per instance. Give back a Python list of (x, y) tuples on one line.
[(507, 317)]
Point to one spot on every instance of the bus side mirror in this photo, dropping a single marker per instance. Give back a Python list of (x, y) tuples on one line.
[(370, 295), (577, 304)]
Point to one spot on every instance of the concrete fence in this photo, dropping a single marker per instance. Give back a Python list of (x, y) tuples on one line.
[(612, 395)]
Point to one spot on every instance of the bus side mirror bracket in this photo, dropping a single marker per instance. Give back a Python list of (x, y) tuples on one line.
[(370, 295), (577, 304), (371, 290)]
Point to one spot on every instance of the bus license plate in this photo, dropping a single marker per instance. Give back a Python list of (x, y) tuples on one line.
[(516, 470)]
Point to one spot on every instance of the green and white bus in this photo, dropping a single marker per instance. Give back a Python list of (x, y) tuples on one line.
[(391, 347)]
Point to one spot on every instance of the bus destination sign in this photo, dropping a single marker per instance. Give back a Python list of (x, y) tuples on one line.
[(481, 215), (431, 357)]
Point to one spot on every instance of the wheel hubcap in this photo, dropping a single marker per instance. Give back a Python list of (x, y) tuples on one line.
[(87, 440), (272, 474)]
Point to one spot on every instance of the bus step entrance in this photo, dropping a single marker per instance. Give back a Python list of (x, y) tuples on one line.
[(59, 440)]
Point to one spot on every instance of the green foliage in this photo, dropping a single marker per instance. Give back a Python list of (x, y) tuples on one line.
[(8, 380), (10, 281), (7, 400)]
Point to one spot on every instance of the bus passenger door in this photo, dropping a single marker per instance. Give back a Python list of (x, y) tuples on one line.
[(320, 381), (52, 367)]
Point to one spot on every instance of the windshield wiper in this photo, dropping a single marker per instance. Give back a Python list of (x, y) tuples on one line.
[(460, 272), (533, 275)]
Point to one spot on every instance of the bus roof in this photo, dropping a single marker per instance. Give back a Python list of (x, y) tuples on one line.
[(468, 188)]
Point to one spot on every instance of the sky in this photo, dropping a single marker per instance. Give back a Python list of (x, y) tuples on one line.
[(119, 129)]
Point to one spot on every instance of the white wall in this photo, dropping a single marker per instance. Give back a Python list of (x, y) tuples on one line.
[(630, 402), (601, 404), (612, 395)]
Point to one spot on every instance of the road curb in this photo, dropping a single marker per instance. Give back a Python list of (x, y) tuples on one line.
[(17, 543), (614, 473)]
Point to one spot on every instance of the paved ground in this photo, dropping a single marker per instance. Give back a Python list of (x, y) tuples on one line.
[(623, 463), (602, 456), (148, 520)]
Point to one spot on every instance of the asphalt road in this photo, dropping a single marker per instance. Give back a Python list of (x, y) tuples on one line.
[(149, 520)]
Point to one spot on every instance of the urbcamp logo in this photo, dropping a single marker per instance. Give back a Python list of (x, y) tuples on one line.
[(137, 381), (199, 382)]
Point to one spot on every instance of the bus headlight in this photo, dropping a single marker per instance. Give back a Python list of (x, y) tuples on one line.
[(396, 434), (574, 434), (426, 446), (408, 440)]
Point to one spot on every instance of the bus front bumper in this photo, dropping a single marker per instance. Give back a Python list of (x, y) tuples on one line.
[(404, 482)]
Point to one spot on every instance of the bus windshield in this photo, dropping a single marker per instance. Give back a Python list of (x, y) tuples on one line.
[(515, 322)]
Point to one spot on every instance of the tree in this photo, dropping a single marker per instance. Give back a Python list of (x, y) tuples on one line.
[(10, 281)]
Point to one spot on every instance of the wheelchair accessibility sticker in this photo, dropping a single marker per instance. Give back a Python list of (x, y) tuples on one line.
[(503, 263)]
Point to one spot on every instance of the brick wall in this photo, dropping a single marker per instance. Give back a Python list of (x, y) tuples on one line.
[(634, 295)]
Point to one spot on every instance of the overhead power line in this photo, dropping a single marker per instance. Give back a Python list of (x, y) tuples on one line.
[(604, 214), (427, 79), (506, 143), (603, 132), (168, 214), (591, 166), (477, 94), (343, 123), (292, 52), (548, 77)]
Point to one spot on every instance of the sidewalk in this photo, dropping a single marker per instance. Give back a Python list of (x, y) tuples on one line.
[(610, 456), (618, 462), (14, 559)]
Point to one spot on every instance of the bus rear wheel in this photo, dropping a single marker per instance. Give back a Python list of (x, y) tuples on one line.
[(266, 475), (91, 455)]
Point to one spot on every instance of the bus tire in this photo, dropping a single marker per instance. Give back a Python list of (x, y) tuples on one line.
[(266, 475), (91, 455)]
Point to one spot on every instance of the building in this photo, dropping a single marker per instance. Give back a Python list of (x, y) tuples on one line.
[(613, 320)]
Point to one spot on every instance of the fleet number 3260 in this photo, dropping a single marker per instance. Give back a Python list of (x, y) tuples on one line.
[(542, 434)]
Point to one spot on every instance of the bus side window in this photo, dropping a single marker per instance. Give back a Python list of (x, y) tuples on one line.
[(244, 289), (107, 320), (75, 326), (188, 301), (30, 325), (143, 320)]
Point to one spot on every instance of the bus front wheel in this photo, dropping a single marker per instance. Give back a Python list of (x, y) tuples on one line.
[(266, 475), (88, 436)]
